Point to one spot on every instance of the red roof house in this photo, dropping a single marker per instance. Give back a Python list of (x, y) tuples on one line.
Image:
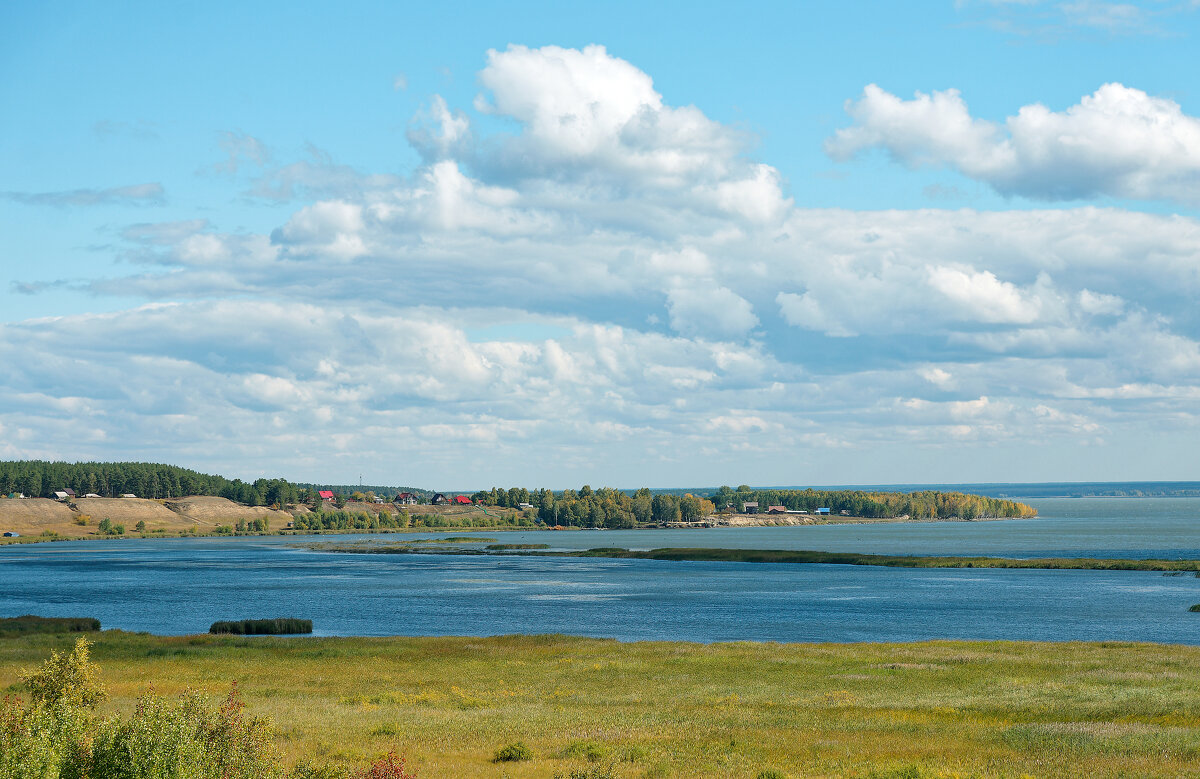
[(462, 500), (325, 494)]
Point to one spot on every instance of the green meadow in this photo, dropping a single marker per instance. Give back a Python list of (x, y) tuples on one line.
[(600, 708)]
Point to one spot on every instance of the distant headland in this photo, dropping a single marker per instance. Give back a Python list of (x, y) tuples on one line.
[(43, 500)]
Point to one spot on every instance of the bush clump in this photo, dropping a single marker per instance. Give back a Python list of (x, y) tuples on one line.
[(282, 626), (33, 624), (590, 751), (512, 753), (59, 733)]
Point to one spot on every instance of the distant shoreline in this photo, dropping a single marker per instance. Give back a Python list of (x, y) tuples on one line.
[(63, 531)]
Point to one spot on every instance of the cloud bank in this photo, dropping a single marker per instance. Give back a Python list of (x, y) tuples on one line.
[(616, 285)]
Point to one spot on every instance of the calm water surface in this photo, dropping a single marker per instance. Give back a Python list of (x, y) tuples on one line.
[(181, 586)]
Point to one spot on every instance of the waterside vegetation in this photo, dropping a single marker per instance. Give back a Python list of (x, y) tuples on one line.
[(28, 623), (703, 554), (545, 706), (281, 626)]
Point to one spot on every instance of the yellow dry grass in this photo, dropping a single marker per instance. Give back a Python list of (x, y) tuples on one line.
[(665, 709)]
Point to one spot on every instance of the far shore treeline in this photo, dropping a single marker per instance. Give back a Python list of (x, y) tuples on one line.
[(607, 507), (585, 507), (39, 479)]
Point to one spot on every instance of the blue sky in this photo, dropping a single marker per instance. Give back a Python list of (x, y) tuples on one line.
[(653, 244)]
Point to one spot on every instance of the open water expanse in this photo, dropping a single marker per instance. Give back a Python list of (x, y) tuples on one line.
[(180, 586)]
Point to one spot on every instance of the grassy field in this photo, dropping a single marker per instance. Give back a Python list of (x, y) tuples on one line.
[(936, 709)]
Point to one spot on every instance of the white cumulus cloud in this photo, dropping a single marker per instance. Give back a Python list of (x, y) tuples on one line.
[(1118, 141)]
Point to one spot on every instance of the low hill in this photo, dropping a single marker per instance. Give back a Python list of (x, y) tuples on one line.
[(207, 509), (34, 516)]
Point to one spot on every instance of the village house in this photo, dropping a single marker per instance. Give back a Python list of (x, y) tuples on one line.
[(462, 500), (61, 495), (439, 499), (823, 511), (405, 498), (750, 507), (777, 510), (91, 495), (128, 495), (325, 494)]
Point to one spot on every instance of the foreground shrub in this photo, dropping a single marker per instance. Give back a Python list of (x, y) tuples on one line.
[(512, 753), (59, 734), (69, 679), (590, 751), (263, 627)]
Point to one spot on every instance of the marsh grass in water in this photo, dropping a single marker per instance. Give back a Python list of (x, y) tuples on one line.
[(587, 707), (706, 554), (893, 561), (15, 626), (282, 626)]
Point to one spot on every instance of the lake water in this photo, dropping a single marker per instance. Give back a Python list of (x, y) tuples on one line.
[(181, 586)]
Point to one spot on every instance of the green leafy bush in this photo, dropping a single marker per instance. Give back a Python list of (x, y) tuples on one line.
[(59, 733), (512, 753), (588, 750), (70, 679)]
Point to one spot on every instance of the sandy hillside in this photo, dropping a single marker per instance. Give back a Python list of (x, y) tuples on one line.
[(766, 520), (207, 510), (31, 516), (129, 511), (123, 509)]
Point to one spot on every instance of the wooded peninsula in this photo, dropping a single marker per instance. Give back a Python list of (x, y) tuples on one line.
[(317, 508)]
